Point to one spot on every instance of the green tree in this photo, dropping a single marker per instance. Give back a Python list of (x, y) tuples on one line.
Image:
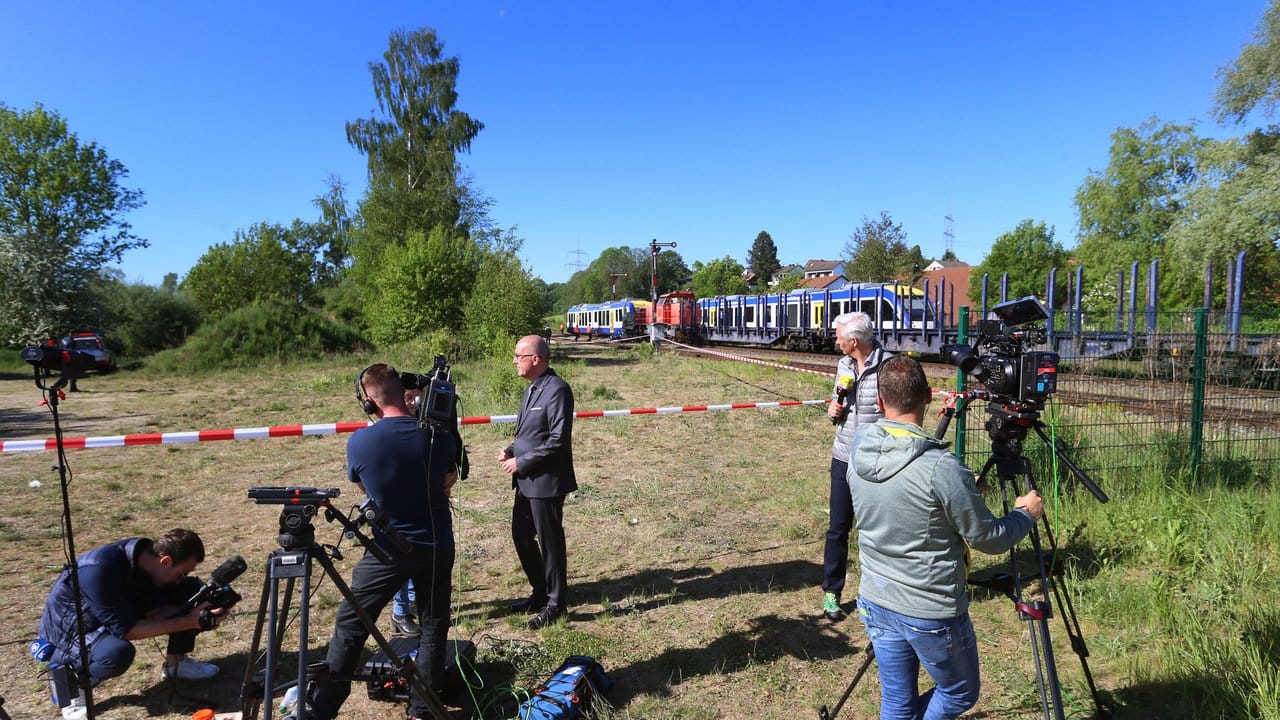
[(420, 287), (763, 258), (259, 264), (672, 272), (1233, 207), (719, 277), (62, 203), (877, 251), (507, 302), (146, 319), (1027, 253), (1252, 81), (412, 145), (592, 284), (1126, 209), (326, 241)]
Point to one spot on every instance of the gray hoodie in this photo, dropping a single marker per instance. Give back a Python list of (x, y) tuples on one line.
[(916, 507)]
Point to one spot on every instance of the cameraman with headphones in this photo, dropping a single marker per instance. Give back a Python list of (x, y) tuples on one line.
[(406, 471)]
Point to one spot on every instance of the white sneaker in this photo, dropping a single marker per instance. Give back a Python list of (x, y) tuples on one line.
[(188, 669), (76, 710)]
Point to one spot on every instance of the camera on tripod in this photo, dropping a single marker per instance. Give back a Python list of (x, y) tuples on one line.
[(437, 401), (1008, 369)]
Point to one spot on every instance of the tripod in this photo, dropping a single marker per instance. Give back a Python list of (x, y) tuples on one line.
[(1007, 428), (291, 562), (71, 364)]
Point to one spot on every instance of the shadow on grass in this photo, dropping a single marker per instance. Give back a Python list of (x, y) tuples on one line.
[(677, 586), (766, 639), (1186, 699)]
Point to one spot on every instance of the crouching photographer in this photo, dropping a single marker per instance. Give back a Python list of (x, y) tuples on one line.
[(134, 589)]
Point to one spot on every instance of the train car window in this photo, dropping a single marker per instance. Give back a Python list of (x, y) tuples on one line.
[(749, 315)]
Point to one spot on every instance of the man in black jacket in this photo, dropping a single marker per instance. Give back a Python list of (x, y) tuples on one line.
[(540, 462)]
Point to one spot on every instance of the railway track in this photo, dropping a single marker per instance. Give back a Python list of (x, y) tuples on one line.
[(1149, 397)]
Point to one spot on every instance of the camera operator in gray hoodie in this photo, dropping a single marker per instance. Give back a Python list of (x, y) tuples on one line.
[(919, 511)]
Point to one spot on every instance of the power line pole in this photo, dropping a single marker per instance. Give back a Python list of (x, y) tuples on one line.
[(949, 234), (577, 265)]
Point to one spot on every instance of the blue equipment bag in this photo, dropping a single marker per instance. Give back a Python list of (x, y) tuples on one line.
[(567, 695)]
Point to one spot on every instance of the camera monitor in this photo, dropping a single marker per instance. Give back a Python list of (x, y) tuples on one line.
[(1018, 312)]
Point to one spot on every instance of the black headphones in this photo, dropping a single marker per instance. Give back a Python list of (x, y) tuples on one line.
[(370, 407)]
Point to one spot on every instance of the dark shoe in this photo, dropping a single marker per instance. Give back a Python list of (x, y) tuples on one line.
[(546, 616), (404, 626), (528, 605), (831, 609)]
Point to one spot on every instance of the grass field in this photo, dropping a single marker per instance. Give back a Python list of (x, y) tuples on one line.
[(694, 547)]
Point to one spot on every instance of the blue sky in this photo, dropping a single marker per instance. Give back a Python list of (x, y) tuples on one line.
[(613, 123)]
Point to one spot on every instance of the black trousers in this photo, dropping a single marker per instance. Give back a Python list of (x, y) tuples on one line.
[(373, 584), (537, 529), (835, 553)]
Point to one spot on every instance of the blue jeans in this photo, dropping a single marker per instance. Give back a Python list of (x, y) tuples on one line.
[(948, 650), (405, 597)]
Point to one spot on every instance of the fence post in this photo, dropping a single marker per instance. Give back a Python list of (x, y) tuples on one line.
[(962, 336), (1198, 379)]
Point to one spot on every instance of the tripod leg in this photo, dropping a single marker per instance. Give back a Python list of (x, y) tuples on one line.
[(1036, 613), (409, 670), (823, 714), (250, 695)]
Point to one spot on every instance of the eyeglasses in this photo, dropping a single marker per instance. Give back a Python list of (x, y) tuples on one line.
[(523, 355)]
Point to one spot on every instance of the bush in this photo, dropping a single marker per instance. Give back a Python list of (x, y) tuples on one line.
[(148, 319), (262, 331)]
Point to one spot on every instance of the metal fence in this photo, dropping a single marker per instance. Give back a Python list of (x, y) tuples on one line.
[(1190, 399)]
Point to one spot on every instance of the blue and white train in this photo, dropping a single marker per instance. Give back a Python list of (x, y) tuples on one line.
[(801, 319), (798, 320)]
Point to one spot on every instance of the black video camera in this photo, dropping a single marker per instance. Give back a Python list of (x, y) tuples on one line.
[(437, 405), (437, 399), (1008, 369), (217, 592)]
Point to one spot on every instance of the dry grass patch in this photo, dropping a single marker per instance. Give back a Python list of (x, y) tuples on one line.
[(694, 542)]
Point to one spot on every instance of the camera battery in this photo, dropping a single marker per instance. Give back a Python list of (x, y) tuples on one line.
[(386, 685)]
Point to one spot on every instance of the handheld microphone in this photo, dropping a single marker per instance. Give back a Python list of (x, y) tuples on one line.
[(844, 388)]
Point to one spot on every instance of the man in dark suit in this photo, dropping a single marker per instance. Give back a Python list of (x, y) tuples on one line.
[(540, 462)]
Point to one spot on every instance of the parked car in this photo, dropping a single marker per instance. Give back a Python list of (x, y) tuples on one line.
[(104, 361)]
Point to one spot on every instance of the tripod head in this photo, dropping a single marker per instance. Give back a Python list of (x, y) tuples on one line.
[(300, 505)]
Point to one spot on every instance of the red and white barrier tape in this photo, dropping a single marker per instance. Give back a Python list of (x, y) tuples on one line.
[(177, 438)]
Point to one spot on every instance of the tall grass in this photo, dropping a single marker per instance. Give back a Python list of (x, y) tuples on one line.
[(1188, 571)]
